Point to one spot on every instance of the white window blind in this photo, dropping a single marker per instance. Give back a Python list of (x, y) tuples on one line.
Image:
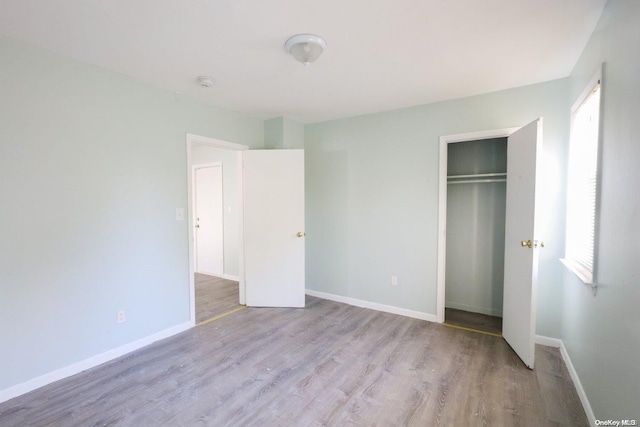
[(582, 189)]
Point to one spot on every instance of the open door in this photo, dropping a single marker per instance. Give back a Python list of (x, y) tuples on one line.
[(274, 228), (521, 247)]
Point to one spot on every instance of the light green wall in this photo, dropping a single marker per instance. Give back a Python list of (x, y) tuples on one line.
[(283, 132), (372, 196), (92, 169), (602, 333), (274, 133), (201, 154), (293, 133), (93, 165)]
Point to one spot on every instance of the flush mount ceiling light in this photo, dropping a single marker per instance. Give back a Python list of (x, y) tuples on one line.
[(305, 48), (205, 81)]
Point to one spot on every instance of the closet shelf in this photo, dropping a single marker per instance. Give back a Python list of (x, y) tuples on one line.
[(478, 178)]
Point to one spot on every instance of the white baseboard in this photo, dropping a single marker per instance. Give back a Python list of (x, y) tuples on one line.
[(576, 381), (373, 305), (233, 277), (557, 343), (473, 309), (223, 276), (91, 362), (548, 341), (41, 381)]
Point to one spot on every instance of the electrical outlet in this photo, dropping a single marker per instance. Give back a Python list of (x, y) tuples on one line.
[(121, 316), (394, 280)]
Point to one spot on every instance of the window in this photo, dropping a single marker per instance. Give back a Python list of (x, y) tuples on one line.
[(582, 188)]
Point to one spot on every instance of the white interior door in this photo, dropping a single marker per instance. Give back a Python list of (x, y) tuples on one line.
[(209, 233), (274, 228), (521, 262)]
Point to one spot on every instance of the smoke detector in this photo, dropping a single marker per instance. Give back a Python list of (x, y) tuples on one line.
[(205, 81)]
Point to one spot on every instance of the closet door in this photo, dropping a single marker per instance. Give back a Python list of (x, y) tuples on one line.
[(209, 212), (521, 247)]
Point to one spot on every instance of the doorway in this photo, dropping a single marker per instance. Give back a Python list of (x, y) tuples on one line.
[(475, 217), (521, 245), (465, 170), (215, 288), (269, 183)]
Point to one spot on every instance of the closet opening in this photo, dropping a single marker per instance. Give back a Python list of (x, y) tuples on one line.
[(475, 234)]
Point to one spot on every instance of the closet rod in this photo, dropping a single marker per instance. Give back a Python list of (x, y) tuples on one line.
[(478, 175), (476, 181)]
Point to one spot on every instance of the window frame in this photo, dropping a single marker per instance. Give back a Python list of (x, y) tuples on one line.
[(587, 276)]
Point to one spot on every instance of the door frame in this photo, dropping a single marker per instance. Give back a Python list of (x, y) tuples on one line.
[(192, 139), (442, 203), (194, 201)]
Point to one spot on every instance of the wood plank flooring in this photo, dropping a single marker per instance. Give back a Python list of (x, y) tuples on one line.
[(329, 364), (214, 296), (478, 321)]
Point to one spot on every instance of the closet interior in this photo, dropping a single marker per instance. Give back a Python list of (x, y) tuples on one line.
[(476, 198)]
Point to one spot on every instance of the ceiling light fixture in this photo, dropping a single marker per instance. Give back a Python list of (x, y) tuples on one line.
[(305, 48), (205, 81)]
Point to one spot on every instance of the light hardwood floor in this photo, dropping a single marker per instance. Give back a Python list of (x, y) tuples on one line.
[(478, 321), (327, 364), (214, 296)]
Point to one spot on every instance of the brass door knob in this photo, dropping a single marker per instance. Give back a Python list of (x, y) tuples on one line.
[(532, 243), (300, 234)]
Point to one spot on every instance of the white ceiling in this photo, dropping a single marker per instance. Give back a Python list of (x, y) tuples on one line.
[(381, 54)]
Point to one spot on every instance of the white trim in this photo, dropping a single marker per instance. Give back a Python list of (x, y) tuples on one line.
[(442, 231), (548, 341), (192, 139), (373, 305), (91, 362), (240, 179), (595, 80), (586, 276), (557, 343), (207, 165), (576, 382), (224, 276), (218, 143), (442, 204), (540, 339)]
